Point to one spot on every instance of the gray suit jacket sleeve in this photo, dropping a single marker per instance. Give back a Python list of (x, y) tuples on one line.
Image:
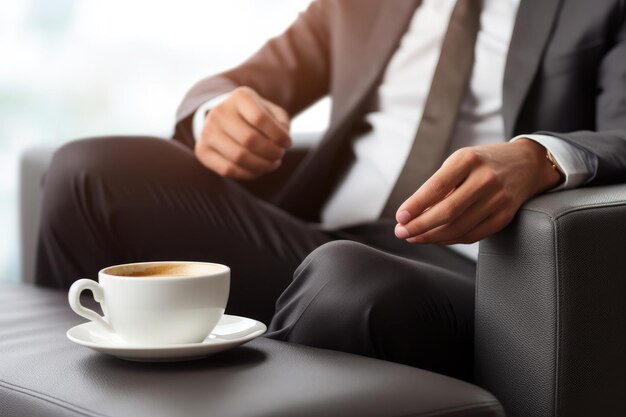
[(608, 141)]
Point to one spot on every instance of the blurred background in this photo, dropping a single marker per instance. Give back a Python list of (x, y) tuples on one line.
[(78, 68)]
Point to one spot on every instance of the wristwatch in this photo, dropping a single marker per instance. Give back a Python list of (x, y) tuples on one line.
[(555, 165)]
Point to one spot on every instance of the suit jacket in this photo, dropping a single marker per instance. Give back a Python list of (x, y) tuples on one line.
[(565, 76)]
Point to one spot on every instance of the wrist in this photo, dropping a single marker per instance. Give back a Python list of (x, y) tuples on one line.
[(548, 173)]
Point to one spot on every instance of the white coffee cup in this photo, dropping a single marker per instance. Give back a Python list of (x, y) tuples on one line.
[(157, 303)]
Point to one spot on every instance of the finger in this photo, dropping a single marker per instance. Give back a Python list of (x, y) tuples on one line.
[(480, 185), (443, 212), (259, 117), (280, 114), (222, 166), (453, 172), (240, 156), (454, 231), (250, 138)]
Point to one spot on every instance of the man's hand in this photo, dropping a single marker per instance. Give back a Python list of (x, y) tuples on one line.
[(244, 137), (475, 193)]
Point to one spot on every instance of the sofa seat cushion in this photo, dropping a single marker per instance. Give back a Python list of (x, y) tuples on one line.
[(43, 373)]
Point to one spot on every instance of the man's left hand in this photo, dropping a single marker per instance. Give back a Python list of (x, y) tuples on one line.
[(475, 193)]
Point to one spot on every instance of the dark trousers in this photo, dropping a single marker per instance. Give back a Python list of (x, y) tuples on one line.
[(117, 200)]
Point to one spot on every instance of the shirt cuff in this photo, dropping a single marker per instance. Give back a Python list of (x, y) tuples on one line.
[(578, 165), (197, 123)]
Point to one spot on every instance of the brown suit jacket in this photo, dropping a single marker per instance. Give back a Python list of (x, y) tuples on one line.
[(565, 76)]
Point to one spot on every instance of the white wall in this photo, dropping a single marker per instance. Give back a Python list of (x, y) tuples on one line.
[(73, 68)]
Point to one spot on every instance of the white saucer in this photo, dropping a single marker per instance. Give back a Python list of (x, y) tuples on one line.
[(231, 331)]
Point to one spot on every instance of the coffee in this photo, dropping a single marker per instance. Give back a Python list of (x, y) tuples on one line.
[(153, 274), (161, 270)]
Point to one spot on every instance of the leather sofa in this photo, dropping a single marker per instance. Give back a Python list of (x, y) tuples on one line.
[(44, 374), (550, 339)]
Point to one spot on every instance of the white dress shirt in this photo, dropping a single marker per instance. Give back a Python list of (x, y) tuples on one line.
[(381, 153)]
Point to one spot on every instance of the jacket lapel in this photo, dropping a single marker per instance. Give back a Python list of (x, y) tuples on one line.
[(533, 27), (372, 43), (368, 41)]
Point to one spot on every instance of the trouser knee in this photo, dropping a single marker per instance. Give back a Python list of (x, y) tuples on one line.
[(88, 170), (96, 190), (350, 297)]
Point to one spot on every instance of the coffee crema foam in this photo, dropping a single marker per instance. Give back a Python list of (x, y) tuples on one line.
[(162, 270)]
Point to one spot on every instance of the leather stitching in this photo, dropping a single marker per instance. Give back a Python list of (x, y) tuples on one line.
[(451, 411), (458, 410), (577, 208), (50, 399), (557, 314)]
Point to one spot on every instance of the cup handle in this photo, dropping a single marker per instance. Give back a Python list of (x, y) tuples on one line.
[(98, 294)]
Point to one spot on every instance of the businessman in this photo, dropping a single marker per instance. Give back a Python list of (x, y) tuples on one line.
[(446, 117)]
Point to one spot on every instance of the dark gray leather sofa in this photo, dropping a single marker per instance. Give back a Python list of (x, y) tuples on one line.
[(550, 342), (551, 307), (43, 374)]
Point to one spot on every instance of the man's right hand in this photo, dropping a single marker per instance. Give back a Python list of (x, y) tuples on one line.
[(244, 137)]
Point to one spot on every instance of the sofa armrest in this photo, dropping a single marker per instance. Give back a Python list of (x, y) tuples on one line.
[(33, 165), (550, 306)]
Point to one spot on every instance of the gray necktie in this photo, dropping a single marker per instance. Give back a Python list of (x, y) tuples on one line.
[(447, 90)]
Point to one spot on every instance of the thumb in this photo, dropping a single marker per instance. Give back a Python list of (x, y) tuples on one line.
[(279, 114)]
